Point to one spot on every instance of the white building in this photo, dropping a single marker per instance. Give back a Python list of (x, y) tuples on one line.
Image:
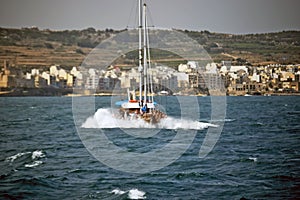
[(46, 76), (233, 71), (53, 70), (62, 74), (70, 80), (92, 82), (125, 80), (183, 67), (211, 68), (255, 77), (35, 72), (193, 64), (183, 79)]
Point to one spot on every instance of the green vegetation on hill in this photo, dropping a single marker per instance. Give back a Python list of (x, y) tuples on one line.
[(44, 38), (34, 47), (281, 47)]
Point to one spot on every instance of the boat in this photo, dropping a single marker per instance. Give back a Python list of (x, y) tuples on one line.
[(143, 106)]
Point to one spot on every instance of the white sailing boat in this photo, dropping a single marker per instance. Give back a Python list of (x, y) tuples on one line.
[(142, 106)]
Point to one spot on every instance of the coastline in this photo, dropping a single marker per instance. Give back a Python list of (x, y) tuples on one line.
[(23, 92)]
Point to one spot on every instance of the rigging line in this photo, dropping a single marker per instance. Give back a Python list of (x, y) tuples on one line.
[(149, 65), (145, 53), (131, 12), (140, 69), (148, 88), (150, 16), (148, 57)]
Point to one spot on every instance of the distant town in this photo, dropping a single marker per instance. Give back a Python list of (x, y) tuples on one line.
[(36, 62), (188, 79)]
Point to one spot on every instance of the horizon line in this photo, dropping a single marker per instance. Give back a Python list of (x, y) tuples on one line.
[(174, 28)]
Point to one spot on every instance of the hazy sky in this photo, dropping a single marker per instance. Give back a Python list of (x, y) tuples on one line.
[(229, 16)]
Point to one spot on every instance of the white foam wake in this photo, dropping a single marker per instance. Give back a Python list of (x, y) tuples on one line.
[(104, 118)]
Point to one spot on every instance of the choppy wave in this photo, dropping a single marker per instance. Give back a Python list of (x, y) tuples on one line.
[(131, 194), (222, 120), (29, 159), (104, 118), (37, 154), (17, 120), (34, 164), (16, 156), (254, 159), (117, 191), (13, 122), (228, 172)]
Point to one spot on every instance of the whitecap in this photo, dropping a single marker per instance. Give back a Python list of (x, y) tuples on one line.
[(117, 191), (37, 154), (34, 156), (259, 123), (16, 156), (73, 170), (136, 194), (253, 159), (34, 164), (132, 194)]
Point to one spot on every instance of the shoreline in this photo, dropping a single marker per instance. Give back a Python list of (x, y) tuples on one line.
[(40, 92)]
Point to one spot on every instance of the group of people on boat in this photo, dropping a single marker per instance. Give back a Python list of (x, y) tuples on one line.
[(145, 113), (154, 116)]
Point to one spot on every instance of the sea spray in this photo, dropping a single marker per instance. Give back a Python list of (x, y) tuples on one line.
[(105, 118)]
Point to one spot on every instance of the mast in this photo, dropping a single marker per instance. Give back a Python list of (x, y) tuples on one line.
[(145, 55), (140, 69)]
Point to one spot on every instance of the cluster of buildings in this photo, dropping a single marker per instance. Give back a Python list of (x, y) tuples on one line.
[(54, 77), (269, 79), (187, 79)]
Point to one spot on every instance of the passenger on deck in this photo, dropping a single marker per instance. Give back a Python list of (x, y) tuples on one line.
[(144, 109)]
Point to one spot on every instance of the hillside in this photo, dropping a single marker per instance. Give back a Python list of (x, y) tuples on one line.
[(281, 47), (32, 47)]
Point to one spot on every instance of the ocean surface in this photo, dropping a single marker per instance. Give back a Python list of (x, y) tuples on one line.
[(257, 155)]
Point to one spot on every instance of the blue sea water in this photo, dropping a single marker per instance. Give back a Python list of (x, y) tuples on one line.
[(256, 157)]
